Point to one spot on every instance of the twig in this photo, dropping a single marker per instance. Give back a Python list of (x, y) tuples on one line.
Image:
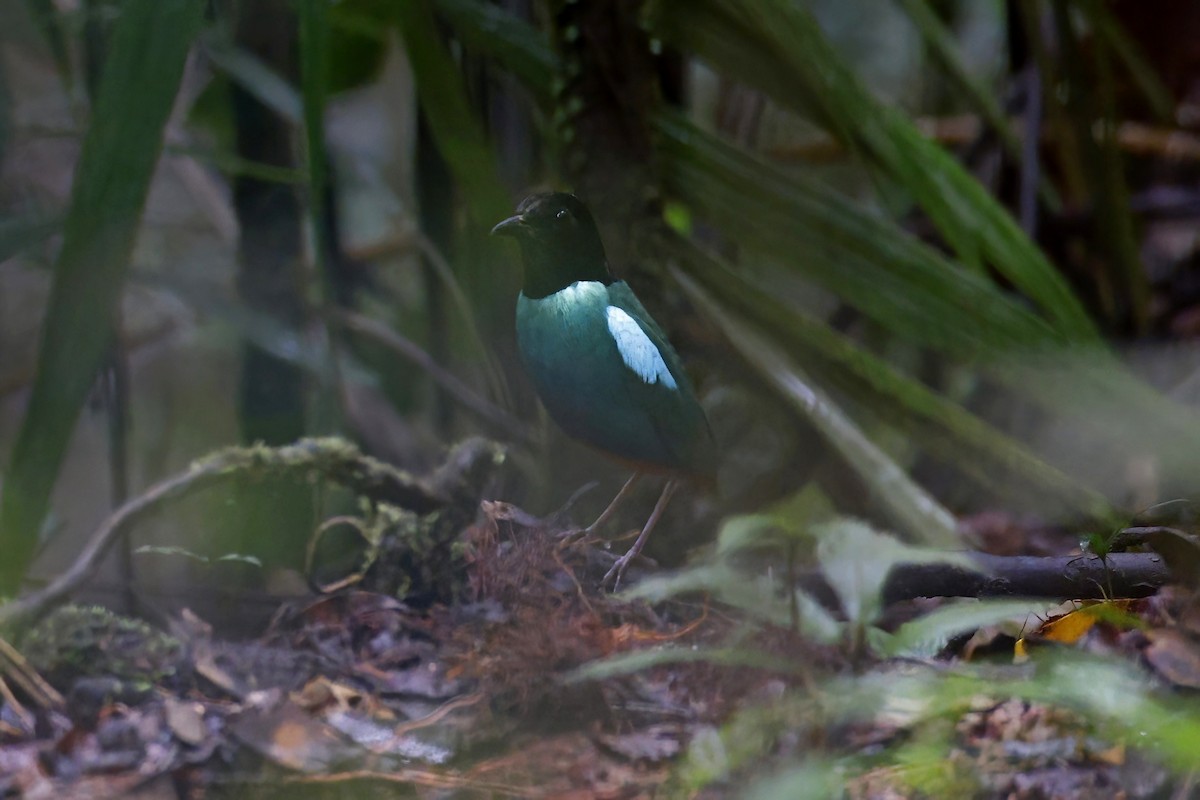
[(14, 665), (418, 777), (333, 459), (1030, 168), (18, 710), (464, 394), (445, 272), (433, 718)]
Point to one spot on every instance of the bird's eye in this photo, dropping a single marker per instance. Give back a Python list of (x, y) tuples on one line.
[(563, 215)]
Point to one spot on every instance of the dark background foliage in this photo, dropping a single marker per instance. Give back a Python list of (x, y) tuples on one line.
[(926, 260)]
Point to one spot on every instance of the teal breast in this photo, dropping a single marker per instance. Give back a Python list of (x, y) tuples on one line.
[(608, 377)]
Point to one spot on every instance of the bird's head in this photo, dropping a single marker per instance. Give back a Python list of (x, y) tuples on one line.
[(559, 243)]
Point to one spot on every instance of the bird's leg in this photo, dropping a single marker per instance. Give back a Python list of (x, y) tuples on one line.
[(606, 515), (618, 569)]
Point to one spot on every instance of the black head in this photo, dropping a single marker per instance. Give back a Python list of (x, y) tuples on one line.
[(559, 243)]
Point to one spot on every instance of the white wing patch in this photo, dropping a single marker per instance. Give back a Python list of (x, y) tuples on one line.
[(637, 351)]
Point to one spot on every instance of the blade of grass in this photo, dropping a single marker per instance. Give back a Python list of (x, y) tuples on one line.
[(1091, 105), (314, 81), (1101, 19), (910, 507), (520, 47), (916, 293), (633, 661), (459, 136), (997, 463), (927, 635), (233, 165), (1056, 125), (268, 86), (6, 111), (276, 93), (776, 46), (942, 47), (903, 284), (1113, 207), (944, 50), (141, 76)]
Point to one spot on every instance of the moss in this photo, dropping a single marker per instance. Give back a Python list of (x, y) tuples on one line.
[(420, 557), (76, 642)]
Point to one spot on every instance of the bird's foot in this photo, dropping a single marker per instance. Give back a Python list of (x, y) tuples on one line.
[(616, 572), (618, 569)]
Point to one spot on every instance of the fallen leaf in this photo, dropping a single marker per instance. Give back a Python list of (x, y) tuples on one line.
[(1175, 656), (291, 738), (186, 720), (1071, 627), (653, 744)]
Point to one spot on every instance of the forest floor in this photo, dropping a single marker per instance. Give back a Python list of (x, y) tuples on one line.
[(356, 694)]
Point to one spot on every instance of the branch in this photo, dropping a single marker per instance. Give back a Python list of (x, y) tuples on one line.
[(1082, 577), (333, 459)]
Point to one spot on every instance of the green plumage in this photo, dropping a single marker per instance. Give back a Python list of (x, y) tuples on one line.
[(603, 368), (579, 372), (601, 365)]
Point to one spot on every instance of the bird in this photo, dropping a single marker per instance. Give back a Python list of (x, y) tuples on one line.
[(600, 364)]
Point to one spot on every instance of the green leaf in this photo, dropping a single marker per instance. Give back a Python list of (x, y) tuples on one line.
[(233, 165), (746, 532), (182, 552), (314, 79), (927, 635), (890, 276), (783, 524), (256, 77), (358, 42), (462, 142), (638, 660), (443, 97), (149, 45), (939, 426), (809, 781), (1118, 696), (760, 597), (912, 509), (857, 559), (944, 50), (239, 558), (776, 46), (518, 46), (172, 551)]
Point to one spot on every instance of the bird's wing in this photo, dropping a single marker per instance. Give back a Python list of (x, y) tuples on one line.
[(660, 351), (657, 382)]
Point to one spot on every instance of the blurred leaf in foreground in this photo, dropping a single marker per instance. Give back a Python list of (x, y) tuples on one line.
[(141, 76)]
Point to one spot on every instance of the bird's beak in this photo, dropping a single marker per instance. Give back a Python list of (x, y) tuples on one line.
[(512, 226)]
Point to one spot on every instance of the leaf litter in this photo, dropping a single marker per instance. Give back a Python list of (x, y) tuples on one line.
[(480, 695)]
